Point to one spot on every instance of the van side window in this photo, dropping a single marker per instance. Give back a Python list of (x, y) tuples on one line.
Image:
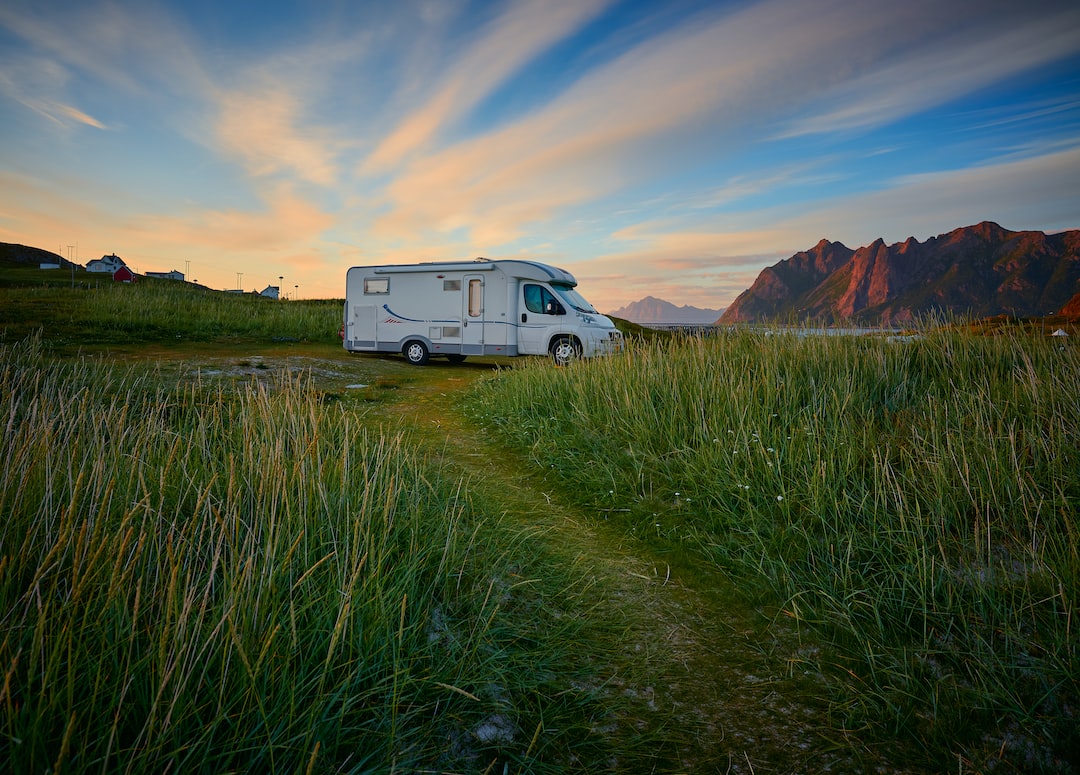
[(540, 300), (533, 302), (376, 285)]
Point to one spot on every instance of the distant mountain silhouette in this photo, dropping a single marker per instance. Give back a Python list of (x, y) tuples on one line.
[(981, 271), (654, 311)]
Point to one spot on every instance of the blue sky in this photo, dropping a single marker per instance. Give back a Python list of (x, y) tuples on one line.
[(671, 149)]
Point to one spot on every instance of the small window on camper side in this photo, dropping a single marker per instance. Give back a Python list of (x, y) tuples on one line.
[(376, 285), (451, 285)]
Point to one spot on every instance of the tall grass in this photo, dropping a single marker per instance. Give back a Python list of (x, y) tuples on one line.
[(195, 578), (915, 502)]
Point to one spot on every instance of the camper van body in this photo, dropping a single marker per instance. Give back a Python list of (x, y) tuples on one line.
[(481, 307)]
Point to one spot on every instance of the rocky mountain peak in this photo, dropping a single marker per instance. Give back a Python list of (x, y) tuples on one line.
[(979, 270)]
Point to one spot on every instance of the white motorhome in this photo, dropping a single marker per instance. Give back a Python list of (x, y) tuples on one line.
[(480, 307)]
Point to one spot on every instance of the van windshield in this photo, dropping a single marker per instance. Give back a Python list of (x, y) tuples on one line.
[(574, 299)]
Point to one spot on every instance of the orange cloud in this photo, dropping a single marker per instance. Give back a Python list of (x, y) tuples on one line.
[(78, 116), (262, 127), (287, 220), (285, 234)]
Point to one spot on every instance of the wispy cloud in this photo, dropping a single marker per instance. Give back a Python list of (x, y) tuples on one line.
[(1017, 192), (40, 84), (58, 113), (653, 101), (132, 47), (74, 114), (942, 69), (507, 43)]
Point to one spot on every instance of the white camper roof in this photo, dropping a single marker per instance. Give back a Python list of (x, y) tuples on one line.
[(528, 270)]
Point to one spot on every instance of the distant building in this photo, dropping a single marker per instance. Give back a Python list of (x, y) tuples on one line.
[(106, 264), (50, 266), (123, 275), (271, 292), (173, 275)]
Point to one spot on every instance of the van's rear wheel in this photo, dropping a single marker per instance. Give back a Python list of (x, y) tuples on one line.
[(416, 353), (565, 350)]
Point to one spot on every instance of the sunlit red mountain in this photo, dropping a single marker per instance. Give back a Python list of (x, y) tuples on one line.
[(978, 271)]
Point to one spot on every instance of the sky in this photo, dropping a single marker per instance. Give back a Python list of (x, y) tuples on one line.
[(652, 148)]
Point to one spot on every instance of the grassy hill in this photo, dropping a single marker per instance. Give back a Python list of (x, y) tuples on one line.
[(758, 551), (82, 309)]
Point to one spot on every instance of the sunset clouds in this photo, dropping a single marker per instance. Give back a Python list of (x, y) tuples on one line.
[(671, 149)]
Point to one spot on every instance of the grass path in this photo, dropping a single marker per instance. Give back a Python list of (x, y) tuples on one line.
[(707, 682), (713, 684)]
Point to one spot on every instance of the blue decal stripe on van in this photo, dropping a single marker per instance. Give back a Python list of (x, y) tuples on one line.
[(416, 320)]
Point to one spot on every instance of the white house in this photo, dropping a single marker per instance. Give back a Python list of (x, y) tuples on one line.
[(173, 275), (270, 292), (106, 264)]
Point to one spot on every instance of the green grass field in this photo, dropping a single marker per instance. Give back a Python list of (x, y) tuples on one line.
[(912, 501), (213, 568), (209, 568)]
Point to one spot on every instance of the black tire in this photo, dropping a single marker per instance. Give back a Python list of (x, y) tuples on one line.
[(416, 352), (456, 358), (564, 350)]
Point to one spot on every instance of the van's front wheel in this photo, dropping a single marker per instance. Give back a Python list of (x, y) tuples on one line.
[(565, 350), (416, 353)]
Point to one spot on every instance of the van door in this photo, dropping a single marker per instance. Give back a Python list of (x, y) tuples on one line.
[(472, 315), (539, 311)]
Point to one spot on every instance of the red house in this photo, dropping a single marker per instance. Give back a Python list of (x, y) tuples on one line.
[(123, 275)]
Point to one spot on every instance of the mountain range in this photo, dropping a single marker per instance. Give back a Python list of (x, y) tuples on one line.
[(654, 311), (978, 271)]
